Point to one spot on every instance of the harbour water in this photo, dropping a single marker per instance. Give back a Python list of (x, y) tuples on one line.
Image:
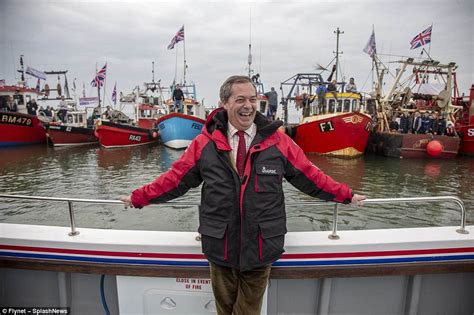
[(94, 173)]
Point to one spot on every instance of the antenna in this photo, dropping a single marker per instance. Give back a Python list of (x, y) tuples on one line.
[(153, 71), (337, 32), (250, 44)]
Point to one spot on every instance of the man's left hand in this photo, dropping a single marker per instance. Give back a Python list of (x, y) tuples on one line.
[(357, 200)]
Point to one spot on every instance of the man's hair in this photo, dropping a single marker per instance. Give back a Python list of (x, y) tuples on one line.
[(226, 87)]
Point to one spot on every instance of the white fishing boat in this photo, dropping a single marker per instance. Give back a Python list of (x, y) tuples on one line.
[(427, 270)]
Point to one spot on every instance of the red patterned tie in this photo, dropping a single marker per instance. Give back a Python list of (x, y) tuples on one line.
[(241, 153)]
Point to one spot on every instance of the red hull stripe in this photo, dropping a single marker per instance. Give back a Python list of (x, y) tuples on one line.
[(100, 252), (414, 252)]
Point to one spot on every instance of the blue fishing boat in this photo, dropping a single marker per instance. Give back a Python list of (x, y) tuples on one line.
[(179, 127), (177, 130)]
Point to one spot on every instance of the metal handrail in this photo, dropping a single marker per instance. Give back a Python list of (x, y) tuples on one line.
[(333, 235)]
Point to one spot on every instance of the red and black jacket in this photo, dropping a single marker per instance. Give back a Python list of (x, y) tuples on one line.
[(242, 220)]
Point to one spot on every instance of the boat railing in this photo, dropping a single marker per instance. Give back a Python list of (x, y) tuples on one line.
[(333, 236)]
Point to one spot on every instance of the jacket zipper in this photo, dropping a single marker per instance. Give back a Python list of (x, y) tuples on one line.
[(260, 245), (226, 256)]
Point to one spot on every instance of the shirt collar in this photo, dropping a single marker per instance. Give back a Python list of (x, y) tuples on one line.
[(232, 130)]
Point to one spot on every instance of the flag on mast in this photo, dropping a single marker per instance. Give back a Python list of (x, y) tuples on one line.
[(114, 94), (177, 38), (99, 78), (371, 47), (421, 39)]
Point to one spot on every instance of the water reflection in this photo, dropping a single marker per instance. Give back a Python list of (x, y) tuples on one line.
[(114, 158)]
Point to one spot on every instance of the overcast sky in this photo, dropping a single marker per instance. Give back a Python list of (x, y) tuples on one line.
[(287, 37)]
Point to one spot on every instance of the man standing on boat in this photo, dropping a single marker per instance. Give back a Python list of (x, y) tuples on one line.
[(241, 159), (351, 86), (178, 98), (272, 103)]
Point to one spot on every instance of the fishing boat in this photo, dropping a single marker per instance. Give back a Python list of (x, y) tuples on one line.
[(90, 271), (423, 99), (74, 131), (178, 129), (336, 124), (465, 123), (333, 122), (119, 134), (117, 130), (17, 127)]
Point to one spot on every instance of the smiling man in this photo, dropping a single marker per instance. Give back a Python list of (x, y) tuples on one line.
[(241, 158)]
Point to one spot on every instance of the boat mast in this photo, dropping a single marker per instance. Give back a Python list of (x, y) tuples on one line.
[(249, 59), (337, 32), (153, 71), (184, 58)]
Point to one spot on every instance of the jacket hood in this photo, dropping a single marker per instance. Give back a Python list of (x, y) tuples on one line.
[(217, 124)]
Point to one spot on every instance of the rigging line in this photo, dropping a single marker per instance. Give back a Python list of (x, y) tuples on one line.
[(366, 79)]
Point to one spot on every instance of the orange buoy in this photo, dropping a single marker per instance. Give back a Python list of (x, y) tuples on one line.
[(434, 148)]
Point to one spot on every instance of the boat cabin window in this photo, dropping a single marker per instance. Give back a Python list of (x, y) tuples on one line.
[(355, 105), (189, 109), (145, 113), (339, 106), (18, 99), (347, 105), (156, 101), (331, 106)]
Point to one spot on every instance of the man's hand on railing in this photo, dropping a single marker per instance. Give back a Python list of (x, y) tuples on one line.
[(357, 200), (127, 201)]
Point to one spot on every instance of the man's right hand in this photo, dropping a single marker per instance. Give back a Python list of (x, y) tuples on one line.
[(127, 201)]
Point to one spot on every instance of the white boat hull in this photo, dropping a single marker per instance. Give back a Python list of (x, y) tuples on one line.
[(427, 270)]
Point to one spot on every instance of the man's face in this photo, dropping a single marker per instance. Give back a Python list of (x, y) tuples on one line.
[(242, 105)]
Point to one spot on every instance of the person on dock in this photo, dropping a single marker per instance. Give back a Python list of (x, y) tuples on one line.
[(241, 158), (178, 99)]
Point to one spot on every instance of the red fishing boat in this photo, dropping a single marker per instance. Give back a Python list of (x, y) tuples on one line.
[(74, 131), (119, 131), (422, 101), (116, 135), (17, 127), (334, 118), (335, 123), (465, 124)]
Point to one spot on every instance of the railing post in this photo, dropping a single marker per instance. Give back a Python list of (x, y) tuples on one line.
[(333, 235), (462, 228), (72, 220)]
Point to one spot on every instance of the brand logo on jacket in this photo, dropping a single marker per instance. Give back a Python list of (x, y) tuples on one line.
[(268, 171)]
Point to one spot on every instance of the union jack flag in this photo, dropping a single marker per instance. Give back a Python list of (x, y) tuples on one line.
[(114, 94), (421, 39), (100, 77), (177, 38)]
